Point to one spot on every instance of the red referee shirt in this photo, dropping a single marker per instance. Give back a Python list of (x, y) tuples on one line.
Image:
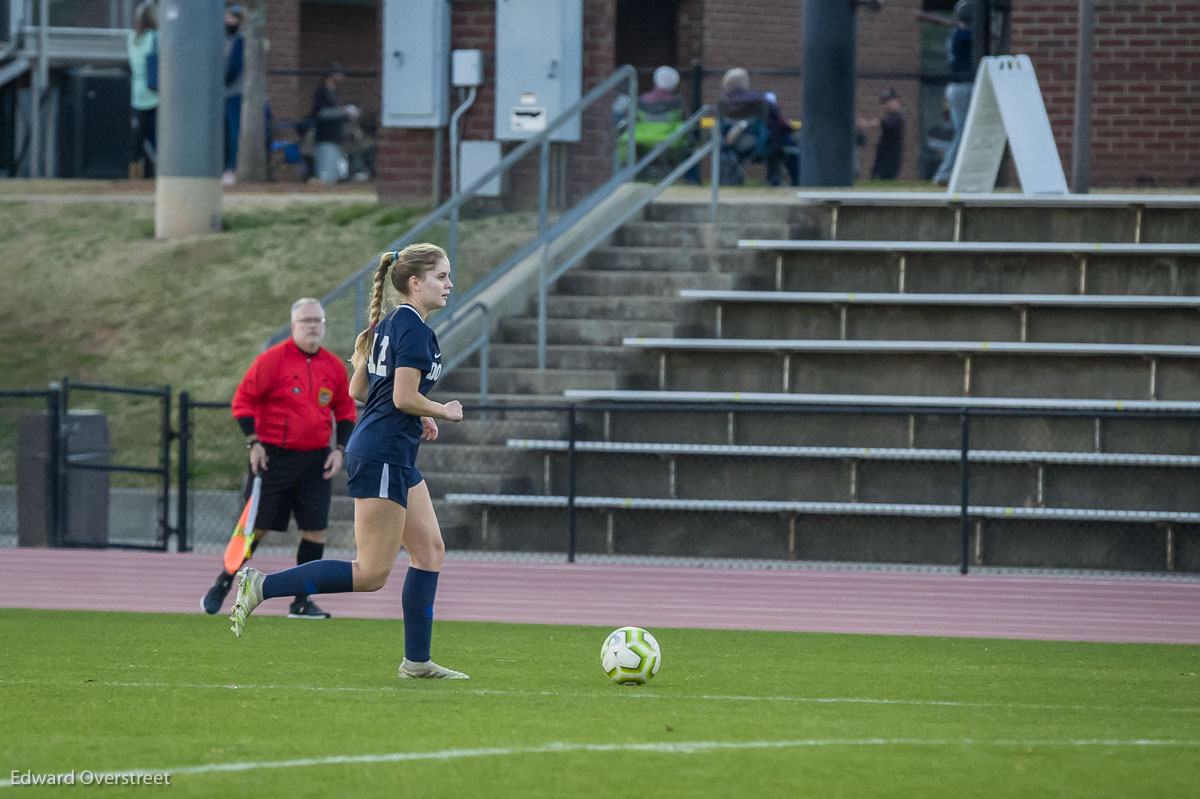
[(294, 397)]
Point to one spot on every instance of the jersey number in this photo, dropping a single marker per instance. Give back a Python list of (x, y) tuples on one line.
[(379, 369)]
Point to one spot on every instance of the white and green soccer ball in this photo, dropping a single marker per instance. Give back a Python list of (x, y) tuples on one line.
[(630, 656)]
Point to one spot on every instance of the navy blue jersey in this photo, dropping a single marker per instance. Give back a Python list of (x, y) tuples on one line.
[(384, 432)]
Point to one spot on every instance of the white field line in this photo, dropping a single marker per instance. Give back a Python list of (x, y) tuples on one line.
[(625, 693), (681, 748)]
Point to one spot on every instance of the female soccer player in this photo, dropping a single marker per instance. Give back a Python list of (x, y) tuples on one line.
[(396, 362)]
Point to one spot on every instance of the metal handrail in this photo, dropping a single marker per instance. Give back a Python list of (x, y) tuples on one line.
[(449, 208), (712, 147), (483, 344)]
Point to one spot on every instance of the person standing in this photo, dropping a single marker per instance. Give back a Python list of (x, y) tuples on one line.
[(962, 77), (286, 405), (235, 46), (140, 44), (889, 151), (397, 360), (329, 116)]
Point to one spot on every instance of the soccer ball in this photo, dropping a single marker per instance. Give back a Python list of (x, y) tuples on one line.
[(630, 656)]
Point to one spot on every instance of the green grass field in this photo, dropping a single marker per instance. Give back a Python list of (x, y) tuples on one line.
[(297, 709)]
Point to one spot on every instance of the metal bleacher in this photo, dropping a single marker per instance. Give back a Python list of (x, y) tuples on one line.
[(1068, 339)]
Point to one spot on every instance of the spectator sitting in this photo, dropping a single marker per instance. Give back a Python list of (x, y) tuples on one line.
[(329, 116), (783, 146)]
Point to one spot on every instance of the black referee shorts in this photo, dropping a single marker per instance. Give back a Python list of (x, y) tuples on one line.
[(292, 484)]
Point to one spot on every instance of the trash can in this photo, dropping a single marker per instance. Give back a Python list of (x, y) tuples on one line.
[(86, 491)]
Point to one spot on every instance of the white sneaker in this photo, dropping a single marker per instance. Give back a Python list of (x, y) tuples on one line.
[(228, 178), (249, 596), (428, 671)]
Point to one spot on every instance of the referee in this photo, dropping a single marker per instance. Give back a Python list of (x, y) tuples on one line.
[(286, 405)]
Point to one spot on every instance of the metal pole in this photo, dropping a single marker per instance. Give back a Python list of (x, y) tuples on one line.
[(62, 499), (437, 166), (827, 137), (1081, 146), (191, 113), (164, 522), (541, 328), (715, 138), (965, 469), (184, 437), (571, 483), (41, 76), (53, 423), (543, 184)]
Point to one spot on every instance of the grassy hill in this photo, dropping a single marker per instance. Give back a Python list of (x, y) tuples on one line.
[(91, 295)]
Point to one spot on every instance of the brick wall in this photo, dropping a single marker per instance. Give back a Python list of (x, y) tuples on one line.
[(1146, 101), (405, 159), (283, 56), (350, 35), (1146, 86)]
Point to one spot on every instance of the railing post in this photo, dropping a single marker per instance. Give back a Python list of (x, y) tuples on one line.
[(63, 492), (571, 483), (360, 305), (965, 468), (184, 437), (483, 362), (715, 137), (164, 520), (631, 121), (53, 426), (541, 327), (452, 241), (543, 184)]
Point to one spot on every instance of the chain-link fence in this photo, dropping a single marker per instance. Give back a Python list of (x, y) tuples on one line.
[(774, 485)]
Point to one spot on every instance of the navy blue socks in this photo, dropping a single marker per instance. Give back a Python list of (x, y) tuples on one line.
[(314, 577), (420, 586)]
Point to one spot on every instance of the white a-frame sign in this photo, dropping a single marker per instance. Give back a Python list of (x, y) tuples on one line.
[(1006, 105)]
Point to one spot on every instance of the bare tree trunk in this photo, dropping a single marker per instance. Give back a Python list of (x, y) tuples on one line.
[(252, 150)]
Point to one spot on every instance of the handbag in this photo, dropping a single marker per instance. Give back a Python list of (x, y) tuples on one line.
[(152, 66)]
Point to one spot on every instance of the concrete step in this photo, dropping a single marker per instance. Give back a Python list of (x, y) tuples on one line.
[(440, 456), (1048, 273), (674, 259), (784, 211), (592, 282), (1072, 434), (959, 323), (866, 480), (694, 234), (1029, 223), (523, 330), (991, 374), (857, 538), (629, 309), (491, 427), (567, 356), (448, 482), (534, 381)]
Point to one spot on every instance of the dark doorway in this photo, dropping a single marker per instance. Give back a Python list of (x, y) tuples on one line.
[(647, 37)]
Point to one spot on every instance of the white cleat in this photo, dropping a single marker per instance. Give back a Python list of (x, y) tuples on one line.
[(428, 671), (249, 596)]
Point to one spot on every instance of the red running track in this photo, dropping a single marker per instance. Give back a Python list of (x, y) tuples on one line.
[(894, 603)]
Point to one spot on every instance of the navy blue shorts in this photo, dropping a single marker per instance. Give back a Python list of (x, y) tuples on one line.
[(369, 479)]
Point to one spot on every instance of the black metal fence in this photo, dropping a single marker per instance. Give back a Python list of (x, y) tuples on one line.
[(951, 487), (965, 487)]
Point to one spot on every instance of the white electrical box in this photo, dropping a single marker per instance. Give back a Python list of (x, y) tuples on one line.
[(539, 67), (477, 157), (416, 63), (466, 68)]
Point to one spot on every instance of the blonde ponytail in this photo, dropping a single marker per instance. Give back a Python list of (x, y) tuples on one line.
[(362, 344)]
